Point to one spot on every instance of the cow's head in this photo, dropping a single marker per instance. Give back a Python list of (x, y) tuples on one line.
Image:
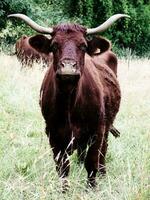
[(68, 45)]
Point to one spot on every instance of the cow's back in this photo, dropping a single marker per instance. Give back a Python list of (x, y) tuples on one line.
[(111, 89), (107, 58)]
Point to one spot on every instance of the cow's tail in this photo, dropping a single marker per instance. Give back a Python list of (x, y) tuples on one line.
[(114, 131)]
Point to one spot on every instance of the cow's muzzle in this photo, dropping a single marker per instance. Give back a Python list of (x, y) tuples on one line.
[(68, 71)]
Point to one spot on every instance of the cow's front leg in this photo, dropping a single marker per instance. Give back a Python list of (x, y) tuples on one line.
[(81, 152), (63, 168), (62, 163), (91, 163), (81, 149)]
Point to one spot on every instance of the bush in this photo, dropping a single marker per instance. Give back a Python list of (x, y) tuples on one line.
[(126, 33), (133, 33)]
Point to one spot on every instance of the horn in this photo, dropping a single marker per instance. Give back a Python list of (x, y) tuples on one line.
[(106, 24), (33, 24)]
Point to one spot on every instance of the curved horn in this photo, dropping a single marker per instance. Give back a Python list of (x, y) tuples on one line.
[(106, 24), (33, 24)]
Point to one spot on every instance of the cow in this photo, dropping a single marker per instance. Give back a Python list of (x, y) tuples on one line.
[(28, 55), (79, 97)]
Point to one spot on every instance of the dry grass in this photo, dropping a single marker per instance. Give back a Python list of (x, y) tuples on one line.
[(27, 170)]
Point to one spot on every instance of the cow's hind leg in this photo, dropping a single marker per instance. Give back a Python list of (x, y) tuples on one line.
[(102, 166)]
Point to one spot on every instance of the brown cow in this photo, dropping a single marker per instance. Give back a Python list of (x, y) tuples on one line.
[(28, 55), (79, 97)]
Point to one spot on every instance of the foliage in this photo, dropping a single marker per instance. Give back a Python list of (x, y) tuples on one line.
[(43, 12), (126, 33), (9, 6), (131, 33)]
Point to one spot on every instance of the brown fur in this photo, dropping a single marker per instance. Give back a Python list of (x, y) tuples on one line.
[(28, 55), (101, 52), (77, 114), (107, 58)]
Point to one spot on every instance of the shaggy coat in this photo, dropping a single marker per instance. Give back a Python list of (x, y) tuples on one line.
[(28, 55)]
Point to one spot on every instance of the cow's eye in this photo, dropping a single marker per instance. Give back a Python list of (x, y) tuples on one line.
[(54, 46), (83, 47)]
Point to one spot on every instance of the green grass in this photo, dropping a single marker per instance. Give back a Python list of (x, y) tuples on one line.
[(27, 169)]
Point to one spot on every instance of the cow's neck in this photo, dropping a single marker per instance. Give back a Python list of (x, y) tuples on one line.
[(64, 104)]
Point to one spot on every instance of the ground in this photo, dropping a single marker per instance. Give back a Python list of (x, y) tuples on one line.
[(27, 169)]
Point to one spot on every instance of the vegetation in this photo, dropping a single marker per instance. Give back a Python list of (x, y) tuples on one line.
[(27, 169), (125, 33), (131, 33)]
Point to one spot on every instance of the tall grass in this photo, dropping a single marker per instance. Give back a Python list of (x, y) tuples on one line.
[(27, 169)]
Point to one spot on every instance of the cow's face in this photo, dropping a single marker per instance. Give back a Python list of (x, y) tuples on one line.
[(68, 45)]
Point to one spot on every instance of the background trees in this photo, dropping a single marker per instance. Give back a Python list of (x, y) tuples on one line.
[(131, 33)]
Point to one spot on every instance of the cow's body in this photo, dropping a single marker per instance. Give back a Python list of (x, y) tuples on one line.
[(28, 55), (107, 58), (81, 115), (80, 94)]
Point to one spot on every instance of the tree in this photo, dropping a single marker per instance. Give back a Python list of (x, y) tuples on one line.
[(125, 33), (9, 6)]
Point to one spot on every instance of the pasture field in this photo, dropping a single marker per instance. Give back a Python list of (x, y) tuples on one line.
[(27, 169)]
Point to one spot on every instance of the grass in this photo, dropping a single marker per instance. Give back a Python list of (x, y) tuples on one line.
[(27, 169)]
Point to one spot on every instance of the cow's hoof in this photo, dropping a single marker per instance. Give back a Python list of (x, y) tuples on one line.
[(64, 185), (102, 170), (92, 183)]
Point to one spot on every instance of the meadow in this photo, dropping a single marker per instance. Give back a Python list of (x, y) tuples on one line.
[(27, 169)]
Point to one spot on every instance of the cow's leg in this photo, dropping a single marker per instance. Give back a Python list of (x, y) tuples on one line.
[(91, 162), (81, 151), (62, 163), (63, 168), (81, 146), (102, 166)]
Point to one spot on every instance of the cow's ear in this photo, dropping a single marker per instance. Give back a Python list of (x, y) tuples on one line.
[(98, 45), (41, 43)]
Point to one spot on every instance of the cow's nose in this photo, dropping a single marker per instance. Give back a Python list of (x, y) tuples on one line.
[(67, 67), (68, 71), (68, 63)]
